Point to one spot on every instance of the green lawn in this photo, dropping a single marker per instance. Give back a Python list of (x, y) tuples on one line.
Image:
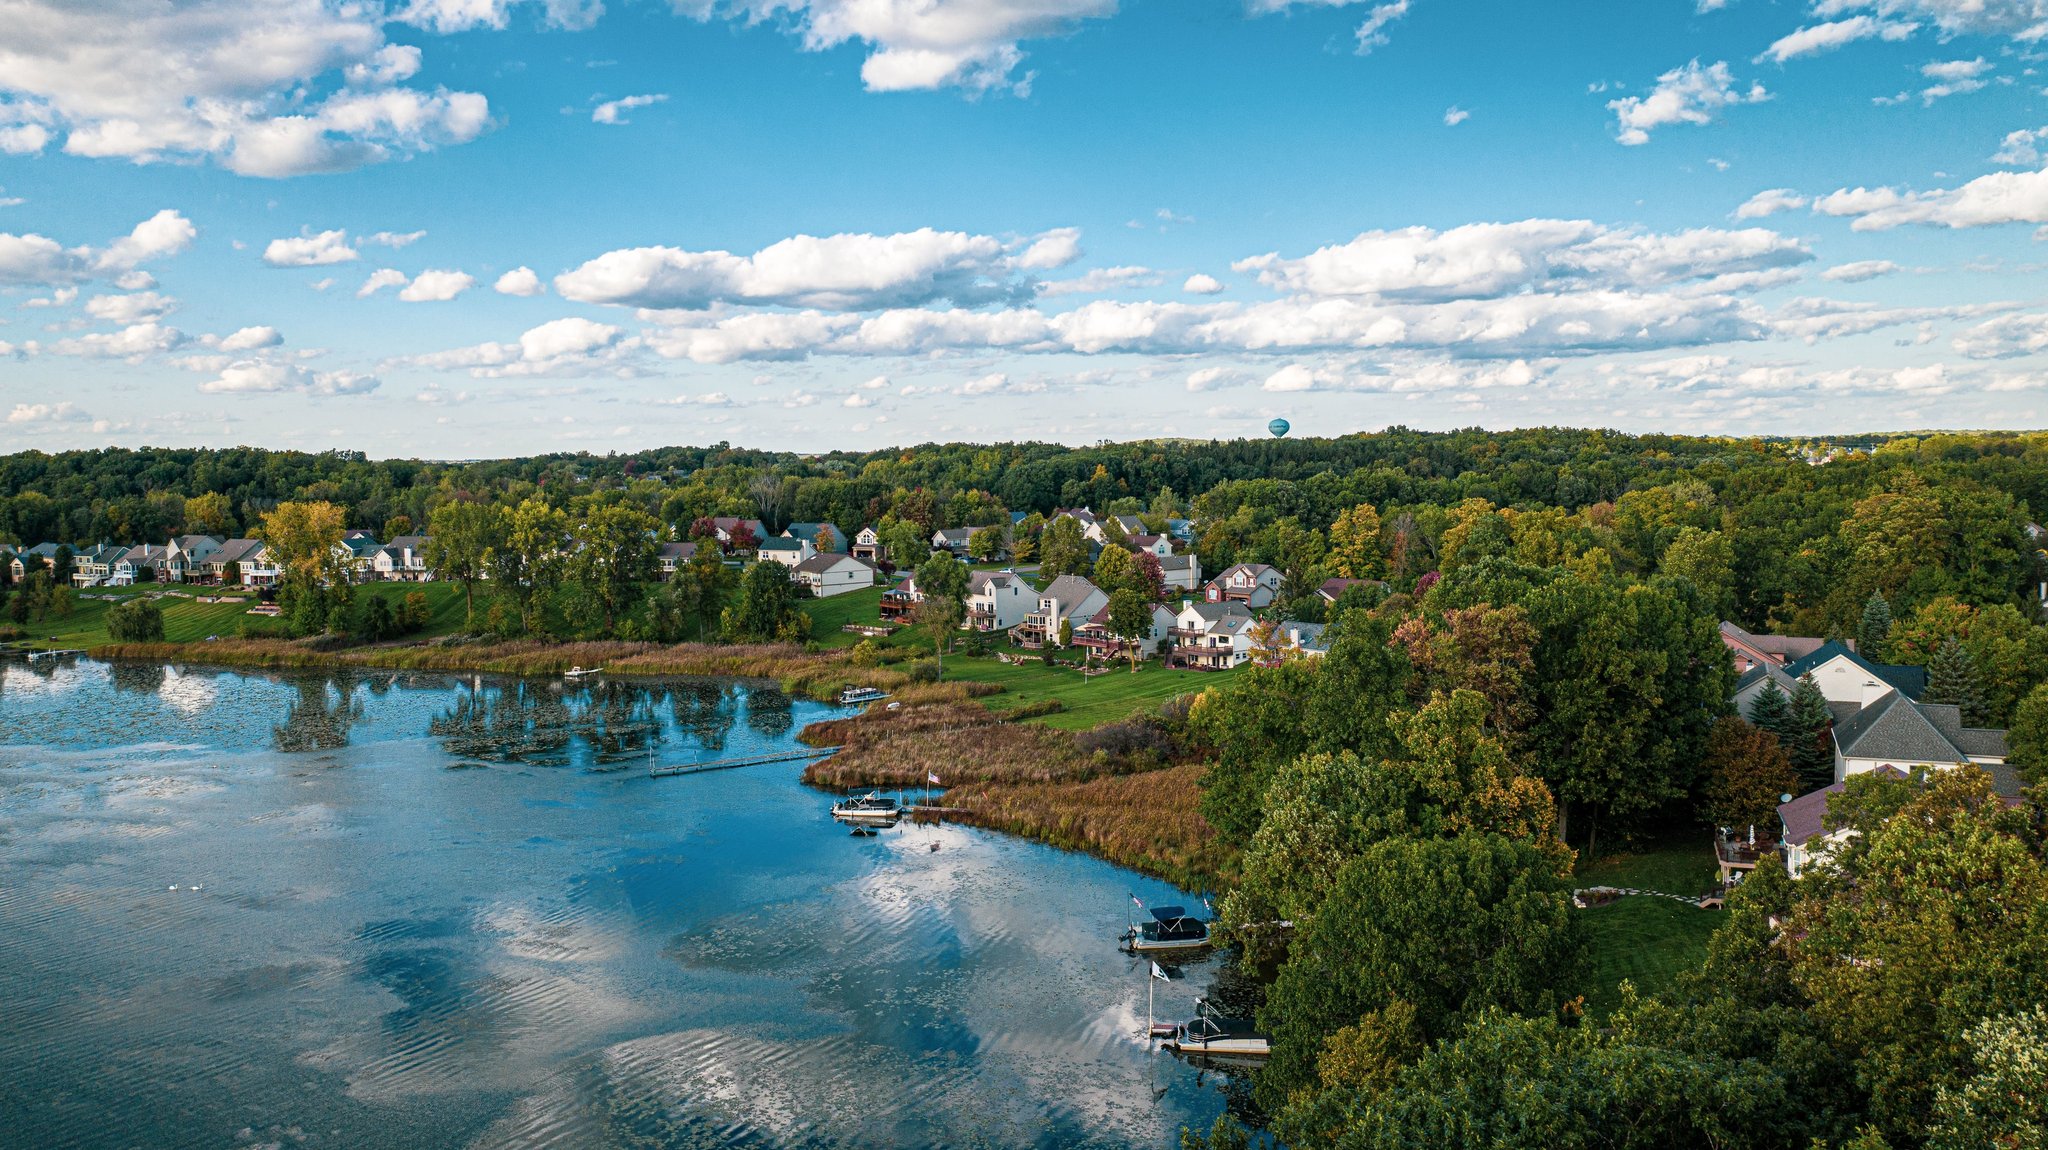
[(1646, 940), (1679, 862), (829, 615), (187, 620), (1088, 701)]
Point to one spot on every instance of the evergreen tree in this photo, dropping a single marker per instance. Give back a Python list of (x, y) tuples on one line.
[(1952, 678), (1875, 628), (1770, 711), (1808, 745)]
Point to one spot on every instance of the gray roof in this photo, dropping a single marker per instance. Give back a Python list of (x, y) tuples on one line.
[(956, 534), (1910, 681), (1895, 728), (680, 552), (1072, 592), (235, 550), (781, 544), (826, 561), (1176, 562), (980, 581), (1786, 647), (1211, 612)]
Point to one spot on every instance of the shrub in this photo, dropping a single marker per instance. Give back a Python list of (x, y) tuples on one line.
[(1142, 737), (922, 670), (1034, 710), (867, 653), (416, 613), (136, 621)]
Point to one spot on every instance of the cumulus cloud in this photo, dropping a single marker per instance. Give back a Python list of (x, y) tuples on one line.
[(1859, 271), (614, 111), (144, 82), (841, 272), (1097, 280), (394, 239), (1486, 260), (562, 346), (47, 413), (1373, 32), (2025, 20), (1454, 115), (446, 16), (1691, 94), (2005, 337), (1997, 198), (1054, 249), (250, 339), (133, 343), (1825, 37), (1953, 78), (436, 286), (257, 377), (32, 260), (309, 250), (2021, 147), (967, 44), (379, 280), (131, 308), (1201, 284), (519, 281), (1769, 203)]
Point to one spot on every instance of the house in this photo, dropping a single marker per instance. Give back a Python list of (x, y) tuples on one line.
[(1159, 545), (1331, 589), (725, 527), (998, 600), (867, 544), (130, 567), (1091, 526), (185, 557), (674, 555), (1071, 600), (1306, 640), (1181, 572), (786, 551), (92, 566), (1846, 677), (834, 574), (249, 560), (900, 603), (1253, 584), (1897, 732), (953, 539), (1211, 636), (1181, 529), (43, 555), (355, 553), (403, 560), (1756, 650), (823, 537), (1096, 637)]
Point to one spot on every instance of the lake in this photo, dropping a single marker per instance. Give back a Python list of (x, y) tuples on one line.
[(424, 910)]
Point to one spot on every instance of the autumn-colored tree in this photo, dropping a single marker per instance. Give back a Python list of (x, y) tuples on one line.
[(1355, 544), (1747, 775), (209, 514), (1115, 570)]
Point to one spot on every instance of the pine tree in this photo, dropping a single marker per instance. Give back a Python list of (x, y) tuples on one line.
[(1952, 678), (1769, 711), (1875, 628), (1808, 743)]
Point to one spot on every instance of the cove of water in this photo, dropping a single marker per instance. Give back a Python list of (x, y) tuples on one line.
[(424, 910)]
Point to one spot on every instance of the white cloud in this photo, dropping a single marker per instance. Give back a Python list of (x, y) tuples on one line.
[(379, 280), (878, 383), (1825, 37), (1953, 78), (859, 400), (394, 239), (614, 111), (47, 413), (30, 260), (1097, 280), (573, 336), (1997, 198), (132, 308), (1454, 115), (1054, 249), (1484, 260), (1373, 32), (969, 44), (437, 286), (1210, 378), (519, 281), (1202, 284), (563, 346), (1686, 95), (133, 343), (313, 250), (163, 234), (135, 281), (1859, 271), (2025, 20), (256, 377), (146, 81), (1769, 203), (2021, 147), (250, 339), (2005, 337), (1293, 377), (845, 272)]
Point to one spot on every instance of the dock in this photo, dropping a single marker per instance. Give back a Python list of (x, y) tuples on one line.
[(35, 655), (667, 769)]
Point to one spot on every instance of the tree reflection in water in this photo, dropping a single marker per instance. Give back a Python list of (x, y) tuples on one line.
[(614, 722), (769, 713), (320, 718), (142, 678)]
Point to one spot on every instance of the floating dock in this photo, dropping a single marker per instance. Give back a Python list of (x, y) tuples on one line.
[(667, 769)]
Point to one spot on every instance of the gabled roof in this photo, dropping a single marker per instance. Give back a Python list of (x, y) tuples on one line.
[(1209, 613), (955, 534), (235, 551), (1777, 648), (1766, 670), (825, 561), (809, 532), (1176, 562), (1910, 681), (980, 582), (1256, 570), (781, 544), (1896, 728), (1071, 592), (680, 552), (407, 542), (196, 542), (1807, 816)]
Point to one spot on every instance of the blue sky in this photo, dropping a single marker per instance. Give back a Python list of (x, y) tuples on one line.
[(457, 228)]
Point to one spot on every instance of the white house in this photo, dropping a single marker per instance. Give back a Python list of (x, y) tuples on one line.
[(1071, 600), (185, 557), (1897, 732), (867, 544), (1211, 636), (403, 560), (823, 537), (1253, 584), (1160, 545), (998, 600), (1181, 572), (833, 574), (250, 560), (726, 527), (674, 555), (788, 552), (953, 539), (1095, 635), (93, 565)]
